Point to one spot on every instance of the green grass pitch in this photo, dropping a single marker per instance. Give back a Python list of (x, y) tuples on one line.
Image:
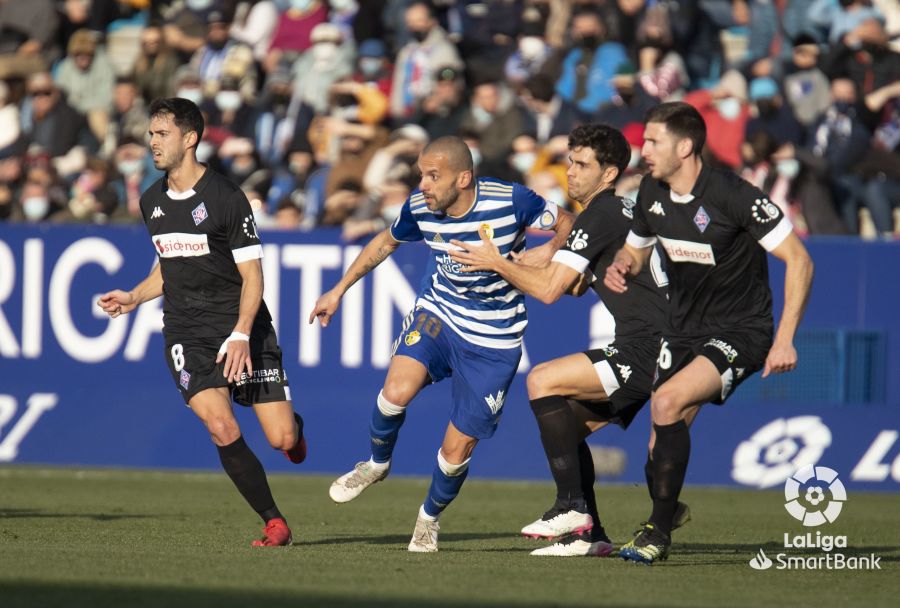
[(97, 538)]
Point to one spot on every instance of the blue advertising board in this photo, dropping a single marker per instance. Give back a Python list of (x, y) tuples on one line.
[(77, 388)]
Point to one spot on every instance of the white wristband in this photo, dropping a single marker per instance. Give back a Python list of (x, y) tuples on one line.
[(235, 335)]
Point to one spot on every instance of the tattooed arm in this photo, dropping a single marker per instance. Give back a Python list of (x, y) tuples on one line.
[(373, 254)]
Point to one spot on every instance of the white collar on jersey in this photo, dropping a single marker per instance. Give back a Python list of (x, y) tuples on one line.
[(680, 198), (180, 196)]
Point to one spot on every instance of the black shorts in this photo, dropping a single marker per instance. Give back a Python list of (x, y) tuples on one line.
[(737, 355), (626, 373), (194, 368)]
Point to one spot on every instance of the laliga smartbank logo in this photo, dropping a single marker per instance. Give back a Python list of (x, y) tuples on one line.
[(815, 496)]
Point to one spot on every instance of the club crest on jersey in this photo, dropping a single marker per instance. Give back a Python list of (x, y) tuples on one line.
[(250, 227), (412, 337), (701, 219), (199, 213), (486, 231), (764, 211), (185, 379)]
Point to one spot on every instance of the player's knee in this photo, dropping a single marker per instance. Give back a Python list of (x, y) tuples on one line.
[(453, 465), (224, 431), (539, 381), (666, 407), (283, 440), (398, 393)]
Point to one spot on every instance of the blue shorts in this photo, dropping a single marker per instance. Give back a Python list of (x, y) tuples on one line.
[(481, 376)]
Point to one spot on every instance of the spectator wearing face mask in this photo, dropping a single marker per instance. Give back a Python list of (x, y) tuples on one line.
[(419, 59), (806, 88), (223, 57), (547, 114), (254, 24), (771, 115), (442, 112), (494, 117), (329, 60), (133, 175), (185, 30), (41, 196), (228, 114), (373, 67), (531, 55), (589, 66), (725, 110), (630, 102)]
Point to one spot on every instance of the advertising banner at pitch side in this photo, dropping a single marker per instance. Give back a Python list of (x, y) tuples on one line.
[(78, 388)]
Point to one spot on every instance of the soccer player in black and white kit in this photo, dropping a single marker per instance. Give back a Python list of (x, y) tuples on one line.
[(715, 229), (220, 343), (574, 396)]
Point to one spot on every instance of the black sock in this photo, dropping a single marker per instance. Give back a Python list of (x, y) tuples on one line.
[(245, 470), (559, 435), (670, 460), (648, 474), (588, 476)]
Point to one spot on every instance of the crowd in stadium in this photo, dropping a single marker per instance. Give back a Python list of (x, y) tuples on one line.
[(320, 109)]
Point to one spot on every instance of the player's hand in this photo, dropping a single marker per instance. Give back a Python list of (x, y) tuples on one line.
[(235, 351), (117, 302), (325, 308), (476, 258), (538, 257), (782, 358), (616, 276)]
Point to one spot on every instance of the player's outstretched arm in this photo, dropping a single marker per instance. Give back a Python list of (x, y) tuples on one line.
[(797, 283), (628, 262), (118, 302), (541, 256), (545, 283), (373, 254)]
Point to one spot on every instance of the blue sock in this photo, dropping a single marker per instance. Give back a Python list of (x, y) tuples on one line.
[(445, 485), (384, 428)]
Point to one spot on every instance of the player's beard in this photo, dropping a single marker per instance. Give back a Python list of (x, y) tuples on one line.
[(168, 162), (441, 204)]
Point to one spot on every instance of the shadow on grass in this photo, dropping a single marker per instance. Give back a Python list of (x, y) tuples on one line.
[(32, 595), (393, 539), (38, 513)]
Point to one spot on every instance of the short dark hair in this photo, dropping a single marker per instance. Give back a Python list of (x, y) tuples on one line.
[(681, 120), (609, 145), (459, 157), (541, 87), (185, 113)]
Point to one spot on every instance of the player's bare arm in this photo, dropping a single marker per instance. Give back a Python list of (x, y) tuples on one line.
[(547, 283), (797, 283), (628, 262), (118, 302), (373, 254), (541, 256), (236, 348)]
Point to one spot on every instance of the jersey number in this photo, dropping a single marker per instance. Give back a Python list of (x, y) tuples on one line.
[(430, 325), (177, 352), (665, 356)]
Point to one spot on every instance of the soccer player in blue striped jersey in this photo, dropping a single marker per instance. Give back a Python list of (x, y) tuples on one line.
[(464, 326)]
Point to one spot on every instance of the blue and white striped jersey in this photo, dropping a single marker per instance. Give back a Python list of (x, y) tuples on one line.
[(481, 307)]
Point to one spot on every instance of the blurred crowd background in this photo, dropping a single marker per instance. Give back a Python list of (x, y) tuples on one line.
[(320, 109)]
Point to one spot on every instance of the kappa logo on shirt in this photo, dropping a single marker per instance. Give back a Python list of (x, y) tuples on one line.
[(199, 213), (657, 208), (157, 213)]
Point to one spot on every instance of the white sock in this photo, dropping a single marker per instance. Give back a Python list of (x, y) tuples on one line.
[(424, 515), (379, 466)]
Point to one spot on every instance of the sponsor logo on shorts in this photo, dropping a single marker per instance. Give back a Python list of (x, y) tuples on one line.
[(727, 349), (688, 251), (181, 245), (701, 219), (185, 379), (199, 213), (609, 351), (495, 403), (412, 338), (261, 375)]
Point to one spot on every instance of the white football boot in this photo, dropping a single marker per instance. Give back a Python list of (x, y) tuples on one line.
[(425, 536), (556, 523), (350, 485)]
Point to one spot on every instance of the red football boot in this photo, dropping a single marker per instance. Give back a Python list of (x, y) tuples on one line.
[(276, 534), (297, 454)]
